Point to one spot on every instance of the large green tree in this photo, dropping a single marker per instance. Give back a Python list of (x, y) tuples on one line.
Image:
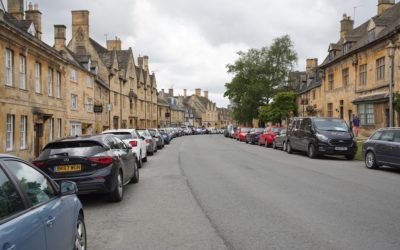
[(282, 107), (258, 75)]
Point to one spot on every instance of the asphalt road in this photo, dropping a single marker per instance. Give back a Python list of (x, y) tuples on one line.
[(210, 192)]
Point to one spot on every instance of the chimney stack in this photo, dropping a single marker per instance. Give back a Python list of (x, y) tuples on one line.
[(346, 25), (383, 5), (311, 64), (114, 44), (59, 37), (16, 8), (80, 22), (171, 92), (146, 63), (185, 92), (198, 92), (206, 94), (34, 15)]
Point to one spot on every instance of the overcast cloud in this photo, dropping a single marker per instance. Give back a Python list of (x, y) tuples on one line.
[(190, 42)]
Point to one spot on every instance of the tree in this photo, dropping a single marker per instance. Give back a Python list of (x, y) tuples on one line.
[(258, 75), (282, 107)]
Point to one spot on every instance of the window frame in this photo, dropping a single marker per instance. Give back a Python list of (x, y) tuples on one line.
[(73, 75), (22, 72), (74, 104), (58, 84), (51, 129), (10, 146), (380, 68), (50, 80), (345, 76), (59, 128), (331, 81), (90, 105), (329, 109), (23, 132), (9, 65), (363, 74), (38, 78), (366, 116)]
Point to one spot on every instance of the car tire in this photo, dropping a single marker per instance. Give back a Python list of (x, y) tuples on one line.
[(259, 143), (350, 157), (266, 144), (284, 146), (135, 177), (139, 161), (247, 142), (144, 159), (311, 151), (117, 194), (370, 160), (150, 153), (80, 235), (273, 144), (289, 149)]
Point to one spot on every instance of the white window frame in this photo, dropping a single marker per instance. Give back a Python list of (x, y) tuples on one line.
[(59, 128), (58, 84), (74, 102), (90, 104), (38, 78), (366, 112), (75, 129), (50, 82), (89, 82), (23, 132), (9, 67), (10, 132), (22, 72), (51, 129), (73, 75)]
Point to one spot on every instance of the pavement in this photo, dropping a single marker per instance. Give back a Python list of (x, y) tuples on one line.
[(210, 192)]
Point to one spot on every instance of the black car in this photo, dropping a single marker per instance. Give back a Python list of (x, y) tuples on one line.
[(254, 135), (382, 148), (98, 164), (157, 136), (280, 140), (321, 136)]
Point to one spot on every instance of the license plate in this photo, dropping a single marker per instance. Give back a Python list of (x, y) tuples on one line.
[(67, 168), (341, 148)]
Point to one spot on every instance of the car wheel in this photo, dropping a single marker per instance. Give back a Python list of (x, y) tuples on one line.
[(289, 149), (284, 147), (247, 142), (311, 151), (118, 193), (266, 144), (150, 153), (370, 160), (80, 235), (135, 177), (274, 144), (139, 161), (350, 157), (259, 143)]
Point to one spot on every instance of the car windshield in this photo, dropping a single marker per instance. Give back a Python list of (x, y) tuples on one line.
[(123, 135), (331, 125), (245, 130), (73, 148)]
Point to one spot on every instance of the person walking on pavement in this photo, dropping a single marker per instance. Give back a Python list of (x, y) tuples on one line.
[(356, 125)]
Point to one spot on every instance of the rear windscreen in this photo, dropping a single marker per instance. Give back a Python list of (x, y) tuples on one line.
[(75, 148), (152, 132), (124, 135)]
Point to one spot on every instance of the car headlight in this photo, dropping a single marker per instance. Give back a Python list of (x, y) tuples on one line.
[(322, 138)]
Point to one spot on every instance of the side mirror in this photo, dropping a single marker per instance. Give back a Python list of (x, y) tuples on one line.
[(142, 138), (68, 188)]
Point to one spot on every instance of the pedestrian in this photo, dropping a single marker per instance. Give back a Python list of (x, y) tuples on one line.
[(356, 125)]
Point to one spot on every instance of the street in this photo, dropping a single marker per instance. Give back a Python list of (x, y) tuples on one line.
[(210, 192)]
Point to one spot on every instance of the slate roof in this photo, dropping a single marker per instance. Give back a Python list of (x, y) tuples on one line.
[(372, 98), (161, 101), (387, 23), (312, 82)]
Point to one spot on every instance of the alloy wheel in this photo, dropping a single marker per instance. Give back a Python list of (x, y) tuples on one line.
[(370, 161), (80, 240)]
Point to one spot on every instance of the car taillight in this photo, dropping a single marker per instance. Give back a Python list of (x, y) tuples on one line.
[(148, 140), (101, 160), (38, 163), (133, 143)]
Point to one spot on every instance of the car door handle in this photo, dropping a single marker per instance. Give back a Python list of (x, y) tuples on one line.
[(50, 221), (7, 246)]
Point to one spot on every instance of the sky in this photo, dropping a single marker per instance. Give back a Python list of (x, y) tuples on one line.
[(190, 42)]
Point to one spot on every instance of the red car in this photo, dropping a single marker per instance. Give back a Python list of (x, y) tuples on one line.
[(242, 134), (268, 136), (236, 133)]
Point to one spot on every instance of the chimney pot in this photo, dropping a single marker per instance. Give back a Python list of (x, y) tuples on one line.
[(171, 92), (35, 16), (198, 92), (383, 5), (185, 92), (206, 94), (114, 44), (346, 25)]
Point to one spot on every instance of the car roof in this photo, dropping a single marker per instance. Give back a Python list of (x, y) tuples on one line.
[(118, 130), (8, 156)]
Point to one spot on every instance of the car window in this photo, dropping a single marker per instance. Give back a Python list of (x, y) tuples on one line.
[(397, 137), (114, 143), (35, 184), (387, 136), (305, 124), (296, 124), (124, 135), (73, 148), (10, 201), (121, 143), (377, 135), (283, 132)]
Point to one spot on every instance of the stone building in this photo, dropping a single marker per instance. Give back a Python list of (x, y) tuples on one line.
[(205, 111), (33, 76), (357, 70), (176, 113), (224, 117)]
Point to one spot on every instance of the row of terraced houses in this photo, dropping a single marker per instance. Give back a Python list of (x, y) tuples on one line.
[(354, 78), (80, 87)]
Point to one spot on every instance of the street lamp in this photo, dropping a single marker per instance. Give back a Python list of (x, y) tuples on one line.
[(391, 51)]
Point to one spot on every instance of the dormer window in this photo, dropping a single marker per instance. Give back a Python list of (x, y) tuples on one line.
[(32, 30), (371, 35), (346, 48)]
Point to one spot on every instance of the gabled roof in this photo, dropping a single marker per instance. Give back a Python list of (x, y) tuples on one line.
[(388, 23)]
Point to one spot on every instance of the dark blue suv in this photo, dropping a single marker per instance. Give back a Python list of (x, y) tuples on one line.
[(382, 148)]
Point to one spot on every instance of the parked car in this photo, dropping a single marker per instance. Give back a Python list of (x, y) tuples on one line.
[(280, 140), (242, 134), (150, 141), (254, 135), (236, 133), (98, 164), (321, 136), (131, 137), (382, 148), (157, 136), (165, 136), (36, 212), (267, 137)]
